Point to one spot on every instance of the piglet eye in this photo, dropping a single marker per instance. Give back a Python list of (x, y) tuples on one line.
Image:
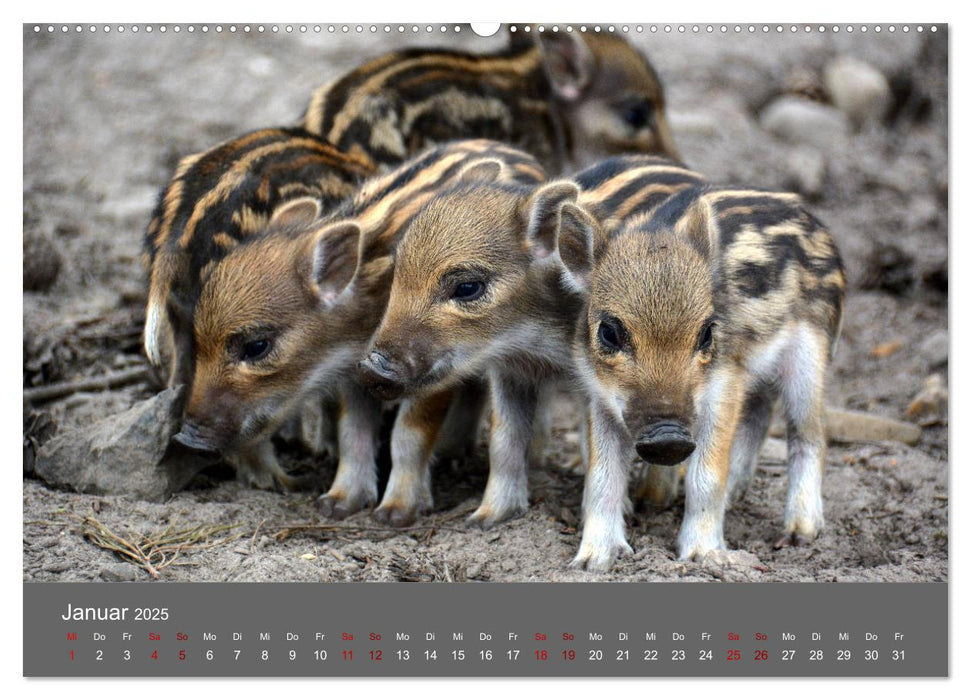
[(255, 350), (638, 114), (468, 291), (705, 337), (610, 335)]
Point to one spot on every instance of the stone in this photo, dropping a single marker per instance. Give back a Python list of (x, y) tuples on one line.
[(853, 426), (42, 262), (930, 405), (857, 89), (127, 453), (477, 570), (119, 572), (800, 121), (806, 171), (935, 348), (730, 558)]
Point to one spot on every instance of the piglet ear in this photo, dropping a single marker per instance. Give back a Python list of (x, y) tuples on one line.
[(579, 242), (544, 212), (333, 257), (569, 63), (297, 212), (483, 171), (699, 225)]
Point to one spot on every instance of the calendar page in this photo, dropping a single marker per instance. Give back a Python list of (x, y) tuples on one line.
[(395, 350)]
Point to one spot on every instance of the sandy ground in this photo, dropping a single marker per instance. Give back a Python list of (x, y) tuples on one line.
[(106, 118)]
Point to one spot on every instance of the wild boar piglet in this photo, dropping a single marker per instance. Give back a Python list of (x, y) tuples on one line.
[(216, 202), (286, 316), (565, 97), (698, 318), (481, 289)]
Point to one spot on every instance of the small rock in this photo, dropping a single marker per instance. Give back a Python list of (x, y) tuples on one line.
[(935, 348), (804, 82), (42, 262), (885, 350), (806, 171), (858, 89), (801, 121), (127, 453), (508, 566), (57, 567), (854, 426), (355, 552), (930, 404), (119, 572), (308, 556), (735, 558), (888, 268)]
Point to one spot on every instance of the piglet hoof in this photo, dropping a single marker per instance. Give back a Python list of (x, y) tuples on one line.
[(485, 517), (695, 549), (397, 515), (285, 482), (793, 539), (600, 559), (576, 466), (262, 479), (659, 488), (339, 506)]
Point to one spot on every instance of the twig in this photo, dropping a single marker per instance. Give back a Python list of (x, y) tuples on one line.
[(888, 514), (252, 542), (287, 531), (156, 551), (49, 392)]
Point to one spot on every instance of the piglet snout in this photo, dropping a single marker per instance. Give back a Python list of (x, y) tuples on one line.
[(666, 443), (381, 376)]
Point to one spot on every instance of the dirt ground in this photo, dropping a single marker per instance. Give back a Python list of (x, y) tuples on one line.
[(107, 116)]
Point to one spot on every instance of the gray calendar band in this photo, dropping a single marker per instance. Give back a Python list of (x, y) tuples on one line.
[(814, 629)]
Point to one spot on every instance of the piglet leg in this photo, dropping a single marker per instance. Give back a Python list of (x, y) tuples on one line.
[(409, 490), (358, 431), (605, 492), (513, 408), (705, 483)]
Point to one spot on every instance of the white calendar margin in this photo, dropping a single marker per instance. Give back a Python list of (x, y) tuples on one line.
[(437, 11)]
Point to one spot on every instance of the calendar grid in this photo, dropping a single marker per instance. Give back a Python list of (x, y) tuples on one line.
[(485, 629)]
